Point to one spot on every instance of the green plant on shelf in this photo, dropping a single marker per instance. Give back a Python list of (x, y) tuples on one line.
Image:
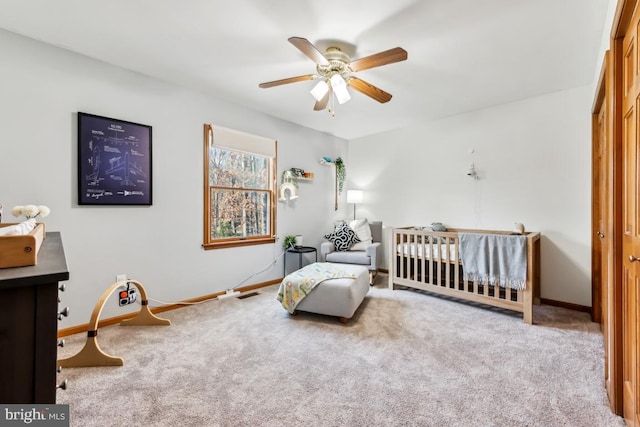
[(289, 241)]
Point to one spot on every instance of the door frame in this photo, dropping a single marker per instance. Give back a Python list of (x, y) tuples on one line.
[(612, 232), (612, 86)]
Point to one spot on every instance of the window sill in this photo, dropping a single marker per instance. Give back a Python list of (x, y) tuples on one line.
[(238, 243)]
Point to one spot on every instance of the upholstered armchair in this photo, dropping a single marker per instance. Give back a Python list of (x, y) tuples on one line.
[(367, 252)]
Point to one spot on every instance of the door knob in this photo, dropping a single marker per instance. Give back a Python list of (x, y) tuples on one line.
[(632, 258)]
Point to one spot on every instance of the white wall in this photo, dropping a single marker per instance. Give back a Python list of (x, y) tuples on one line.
[(605, 41), (533, 159), (41, 90)]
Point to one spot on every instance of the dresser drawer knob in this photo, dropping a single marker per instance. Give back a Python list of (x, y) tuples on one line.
[(64, 312)]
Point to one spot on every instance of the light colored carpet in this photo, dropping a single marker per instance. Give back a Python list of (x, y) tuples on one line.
[(405, 359)]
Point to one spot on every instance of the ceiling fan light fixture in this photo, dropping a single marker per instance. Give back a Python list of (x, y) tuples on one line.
[(320, 90), (342, 94), (337, 81), (335, 69), (339, 86)]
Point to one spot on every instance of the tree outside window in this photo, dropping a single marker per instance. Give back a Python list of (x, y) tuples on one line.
[(239, 198)]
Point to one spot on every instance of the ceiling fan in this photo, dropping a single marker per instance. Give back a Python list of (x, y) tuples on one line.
[(335, 69)]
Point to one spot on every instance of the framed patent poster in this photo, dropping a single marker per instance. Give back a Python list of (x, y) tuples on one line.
[(114, 161)]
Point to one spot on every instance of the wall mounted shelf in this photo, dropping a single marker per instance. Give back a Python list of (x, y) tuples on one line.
[(301, 174)]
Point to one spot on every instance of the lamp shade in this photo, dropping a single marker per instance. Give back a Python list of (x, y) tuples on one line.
[(339, 86), (355, 196), (320, 90)]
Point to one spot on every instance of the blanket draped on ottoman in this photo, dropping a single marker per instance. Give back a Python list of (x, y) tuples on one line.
[(298, 284)]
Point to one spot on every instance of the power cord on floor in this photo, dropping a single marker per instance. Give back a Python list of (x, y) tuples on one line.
[(261, 271), (229, 290)]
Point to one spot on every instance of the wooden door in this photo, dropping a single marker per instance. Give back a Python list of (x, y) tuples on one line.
[(604, 309), (607, 220), (598, 291), (630, 212)]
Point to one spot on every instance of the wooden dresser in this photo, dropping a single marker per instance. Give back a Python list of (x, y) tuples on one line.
[(29, 315)]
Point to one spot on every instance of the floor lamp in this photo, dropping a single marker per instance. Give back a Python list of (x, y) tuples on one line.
[(355, 197)]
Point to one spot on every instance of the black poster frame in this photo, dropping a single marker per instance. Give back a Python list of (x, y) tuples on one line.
[(114, 161)]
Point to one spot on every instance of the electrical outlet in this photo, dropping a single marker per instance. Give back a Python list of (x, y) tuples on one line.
[(120, 277), (126, 297)]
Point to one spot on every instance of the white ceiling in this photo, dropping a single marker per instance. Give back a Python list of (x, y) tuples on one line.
[(463, 54)]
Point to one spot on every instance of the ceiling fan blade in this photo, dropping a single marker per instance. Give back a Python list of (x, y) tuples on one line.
[(288, 80), (309, 50), (322, 104), (390, 56), (369, 90)]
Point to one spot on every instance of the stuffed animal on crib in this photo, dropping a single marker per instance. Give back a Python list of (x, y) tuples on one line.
[(438, 226)]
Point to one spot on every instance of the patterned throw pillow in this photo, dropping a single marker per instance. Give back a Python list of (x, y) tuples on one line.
[(343, 237)]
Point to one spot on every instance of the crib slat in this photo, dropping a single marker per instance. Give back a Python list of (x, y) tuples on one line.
[(456, 257), (444, 248), (413, 257), (431, 277), (439, 263), (402, 256), (422, 259), (397, 238), (465, 284)]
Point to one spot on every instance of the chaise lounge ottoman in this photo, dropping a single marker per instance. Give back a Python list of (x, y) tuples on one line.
[(338, 297)]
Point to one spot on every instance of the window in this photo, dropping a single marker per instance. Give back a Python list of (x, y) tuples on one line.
[(239, 193)]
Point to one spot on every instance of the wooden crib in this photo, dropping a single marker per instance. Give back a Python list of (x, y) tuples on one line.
[(430, 261)]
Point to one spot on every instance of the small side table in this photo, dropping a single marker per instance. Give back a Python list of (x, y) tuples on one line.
[(299, 250)]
